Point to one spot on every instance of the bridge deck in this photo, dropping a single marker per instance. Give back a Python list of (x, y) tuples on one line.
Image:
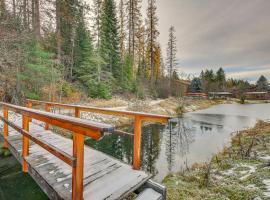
[(104, 176)]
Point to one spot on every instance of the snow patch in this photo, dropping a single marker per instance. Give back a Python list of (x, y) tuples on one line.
[(265, 158), (252, 169), (267, 184)]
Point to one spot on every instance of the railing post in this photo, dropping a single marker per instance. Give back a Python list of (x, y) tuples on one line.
[(77, 170), (77, 112), (5, 113), (47, 109), (25, 146), (137, 143), (29, 105)]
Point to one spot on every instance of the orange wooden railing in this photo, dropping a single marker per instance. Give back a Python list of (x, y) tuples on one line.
[(80, 128), (138, 118)]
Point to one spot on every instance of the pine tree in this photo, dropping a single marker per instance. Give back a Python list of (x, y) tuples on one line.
[(109, 40), (221, 79), (97, 12), (134, 24), (262, 83), (157, 62), (38, 71), (152, 34), (122, 30), (171, 52), (83, 50)]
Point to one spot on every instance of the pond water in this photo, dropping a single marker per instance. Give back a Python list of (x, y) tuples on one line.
[(194, 137)]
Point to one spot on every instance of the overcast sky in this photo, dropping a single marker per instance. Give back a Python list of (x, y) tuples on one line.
[(233, 34)]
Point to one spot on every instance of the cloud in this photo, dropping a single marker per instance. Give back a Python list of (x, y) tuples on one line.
[(218, 33), (233, 34)]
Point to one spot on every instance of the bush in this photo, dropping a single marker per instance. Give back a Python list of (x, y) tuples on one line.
[(99, 90), (242, 99)]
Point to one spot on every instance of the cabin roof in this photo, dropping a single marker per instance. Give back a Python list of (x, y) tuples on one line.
[(220, 93)]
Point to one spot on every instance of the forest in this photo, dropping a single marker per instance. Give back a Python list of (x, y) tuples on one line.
[(69, 49), (73, 50)]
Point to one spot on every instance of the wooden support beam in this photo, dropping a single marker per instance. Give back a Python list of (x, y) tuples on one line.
[(77, 171), (5, 113), (25, 147), (137, 143)]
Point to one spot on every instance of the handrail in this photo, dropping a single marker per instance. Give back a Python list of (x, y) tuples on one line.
[(79, 128), (70, 160), (107, 111), (85, 127), (137, 116)]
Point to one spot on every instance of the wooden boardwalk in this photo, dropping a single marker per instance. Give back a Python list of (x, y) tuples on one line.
[(67, 169), (104, 176)]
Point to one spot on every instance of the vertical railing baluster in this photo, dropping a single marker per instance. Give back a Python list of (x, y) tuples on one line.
[(77, 171), (137, 143), (77, 112), (29, 105), (25, 146), (5, 113), (47, 109)]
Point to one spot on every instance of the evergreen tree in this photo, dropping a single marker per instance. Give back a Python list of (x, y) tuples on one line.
[(83, 50), (38, 71), (262, 83), (67, 14), (109, 39), (171, 53), (97, 12), (152, 34), (221, 79), (157, 62), (133, 28), (142, 52), (122, 30), (196, 85)]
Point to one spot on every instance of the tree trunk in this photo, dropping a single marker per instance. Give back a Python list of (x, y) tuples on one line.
[(37, 20), (2, 6), (25, 13), (58, 31), (14, 8)]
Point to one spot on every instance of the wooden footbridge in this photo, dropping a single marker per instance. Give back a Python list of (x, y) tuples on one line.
[(66, 168)]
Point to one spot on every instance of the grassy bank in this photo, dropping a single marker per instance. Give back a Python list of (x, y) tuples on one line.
[(241, 171)]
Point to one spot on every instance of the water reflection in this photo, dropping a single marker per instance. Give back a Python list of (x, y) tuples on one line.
[(178, 137), (193, 138)]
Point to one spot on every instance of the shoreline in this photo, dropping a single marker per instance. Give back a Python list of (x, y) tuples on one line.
[(240, 171)]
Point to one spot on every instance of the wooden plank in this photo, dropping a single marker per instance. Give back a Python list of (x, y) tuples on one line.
[(149, 194)]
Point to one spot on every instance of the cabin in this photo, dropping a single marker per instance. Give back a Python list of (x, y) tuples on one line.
[(220, 95), (258, 95), (183, 86)]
